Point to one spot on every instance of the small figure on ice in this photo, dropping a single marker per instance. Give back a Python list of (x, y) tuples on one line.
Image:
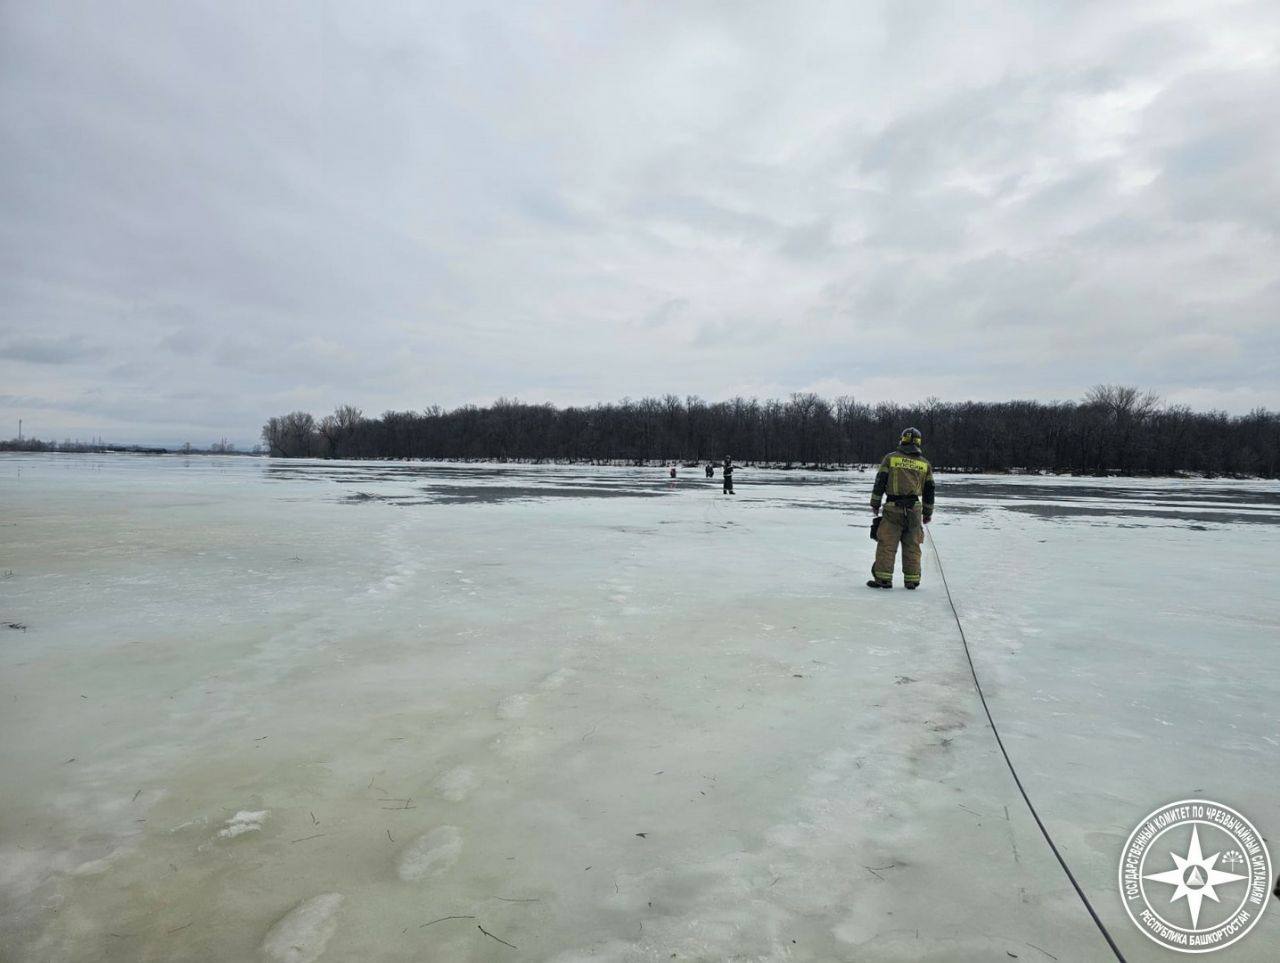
[(710, 470), (727, 471), (905, 479)]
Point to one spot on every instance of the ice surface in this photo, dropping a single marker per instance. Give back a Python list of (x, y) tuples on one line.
[(604, 716)]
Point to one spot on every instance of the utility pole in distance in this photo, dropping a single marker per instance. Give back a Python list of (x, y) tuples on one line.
[(19, 429)]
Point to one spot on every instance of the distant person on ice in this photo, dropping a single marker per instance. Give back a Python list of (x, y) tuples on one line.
[(710, 471), (727, 471), (905, 479)]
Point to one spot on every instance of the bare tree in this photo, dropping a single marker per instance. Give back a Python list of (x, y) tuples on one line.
[(290, 436)]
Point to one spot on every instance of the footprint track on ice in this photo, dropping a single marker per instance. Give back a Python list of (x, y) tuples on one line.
[(301, 935), (430, 854)]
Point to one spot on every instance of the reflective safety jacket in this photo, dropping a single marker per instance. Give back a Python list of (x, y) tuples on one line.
[(905, 477)]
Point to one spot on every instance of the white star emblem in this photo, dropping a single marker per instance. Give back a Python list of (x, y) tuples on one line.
[(1194, 877)]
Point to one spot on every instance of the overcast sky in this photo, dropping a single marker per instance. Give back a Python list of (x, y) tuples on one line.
[(215, 212)]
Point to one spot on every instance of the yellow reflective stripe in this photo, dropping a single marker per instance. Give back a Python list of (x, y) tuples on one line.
[(912, 578), (882, 576)]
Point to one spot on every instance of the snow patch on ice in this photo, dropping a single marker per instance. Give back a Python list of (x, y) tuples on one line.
[(556, 679), (96, 867), (394, 580), (513, 706), (301, 935), (23, 868), (455, 784), (430, 854), (521, 742), (245, 821)]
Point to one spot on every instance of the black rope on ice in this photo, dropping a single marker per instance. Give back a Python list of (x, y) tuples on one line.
[(1044, 831)]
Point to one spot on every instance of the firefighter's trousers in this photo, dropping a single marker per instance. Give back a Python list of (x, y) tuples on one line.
[(899, 524)]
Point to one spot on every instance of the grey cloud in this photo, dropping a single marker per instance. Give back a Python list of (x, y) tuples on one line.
[(1220, 165), (809, 241), (705, 214), (54, 351), (666, 312), (735, 334), (185, 341)]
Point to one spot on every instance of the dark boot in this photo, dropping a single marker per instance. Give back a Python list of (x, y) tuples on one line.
[(876, 583), (913, 585)]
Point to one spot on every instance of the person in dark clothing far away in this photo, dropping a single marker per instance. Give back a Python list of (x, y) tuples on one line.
[(710, 471), (905, 478), (727, 471)]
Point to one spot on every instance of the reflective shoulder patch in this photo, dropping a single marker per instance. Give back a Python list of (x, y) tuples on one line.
[(910, 464)]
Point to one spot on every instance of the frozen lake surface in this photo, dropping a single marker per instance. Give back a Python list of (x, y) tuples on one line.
[(375, 711)]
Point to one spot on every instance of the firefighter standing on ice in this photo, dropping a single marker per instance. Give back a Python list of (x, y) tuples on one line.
[(905, 479), (727, 471)]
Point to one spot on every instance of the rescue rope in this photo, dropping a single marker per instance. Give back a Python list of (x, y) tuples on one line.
[(1044, 831)]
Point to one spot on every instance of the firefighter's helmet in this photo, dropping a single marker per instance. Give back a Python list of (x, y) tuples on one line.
[(911, 436)]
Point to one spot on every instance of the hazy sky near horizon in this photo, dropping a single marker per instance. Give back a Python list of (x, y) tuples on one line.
[(215, 212)]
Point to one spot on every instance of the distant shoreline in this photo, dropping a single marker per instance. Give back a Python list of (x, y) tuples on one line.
[(77, 448)]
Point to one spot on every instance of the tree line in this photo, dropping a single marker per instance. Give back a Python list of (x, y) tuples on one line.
[(1114, 428)]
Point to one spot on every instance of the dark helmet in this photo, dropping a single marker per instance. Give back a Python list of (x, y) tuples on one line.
[(911, 436)]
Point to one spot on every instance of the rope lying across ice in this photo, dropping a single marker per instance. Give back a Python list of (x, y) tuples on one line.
[(1009, 762)]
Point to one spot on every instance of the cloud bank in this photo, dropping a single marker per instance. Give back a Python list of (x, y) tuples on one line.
[(214, 213)]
